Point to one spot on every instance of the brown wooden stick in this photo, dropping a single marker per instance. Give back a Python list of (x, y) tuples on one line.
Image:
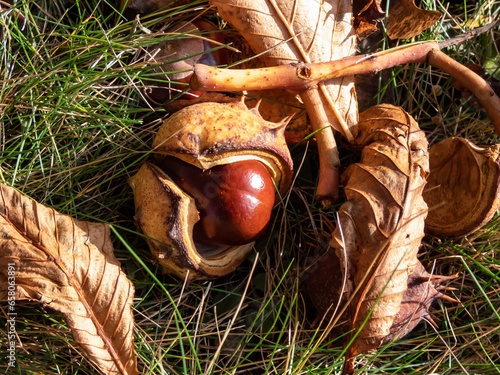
[(470, 80), (305, 76), (329, 162)]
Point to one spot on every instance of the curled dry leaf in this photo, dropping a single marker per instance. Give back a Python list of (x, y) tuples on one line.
[(463, 191), (382, 223), (68, 265), (406, 20), (377, 238)]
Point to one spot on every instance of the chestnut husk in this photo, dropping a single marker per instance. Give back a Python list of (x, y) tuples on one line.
[(463, 189), (204, 135)]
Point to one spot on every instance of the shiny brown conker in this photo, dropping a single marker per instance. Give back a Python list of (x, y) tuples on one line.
[(234, 200)]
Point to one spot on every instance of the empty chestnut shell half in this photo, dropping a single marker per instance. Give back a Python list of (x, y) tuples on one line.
[(462, 190)]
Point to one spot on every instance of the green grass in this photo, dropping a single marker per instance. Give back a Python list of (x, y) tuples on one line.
[(74, 127)]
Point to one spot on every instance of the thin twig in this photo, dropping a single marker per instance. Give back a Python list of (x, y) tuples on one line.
[(329, 162), (304, 76), (468, 35)]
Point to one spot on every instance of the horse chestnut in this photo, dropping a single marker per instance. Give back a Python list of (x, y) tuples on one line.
[(234, 200), (199, 188)]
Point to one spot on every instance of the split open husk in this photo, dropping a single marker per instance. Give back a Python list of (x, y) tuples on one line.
[(462, 190), (210, 134), (204, 135)]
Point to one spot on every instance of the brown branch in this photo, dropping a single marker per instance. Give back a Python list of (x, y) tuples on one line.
[(470, 80), (305, 76), (329, 162)]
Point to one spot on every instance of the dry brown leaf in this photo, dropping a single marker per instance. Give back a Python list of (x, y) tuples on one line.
[(69, 266), (366, 15), (406, 20), (382, 223), (300, 31), (323, 285)]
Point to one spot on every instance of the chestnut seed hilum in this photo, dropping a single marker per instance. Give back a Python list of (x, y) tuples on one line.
[(234, 200)]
